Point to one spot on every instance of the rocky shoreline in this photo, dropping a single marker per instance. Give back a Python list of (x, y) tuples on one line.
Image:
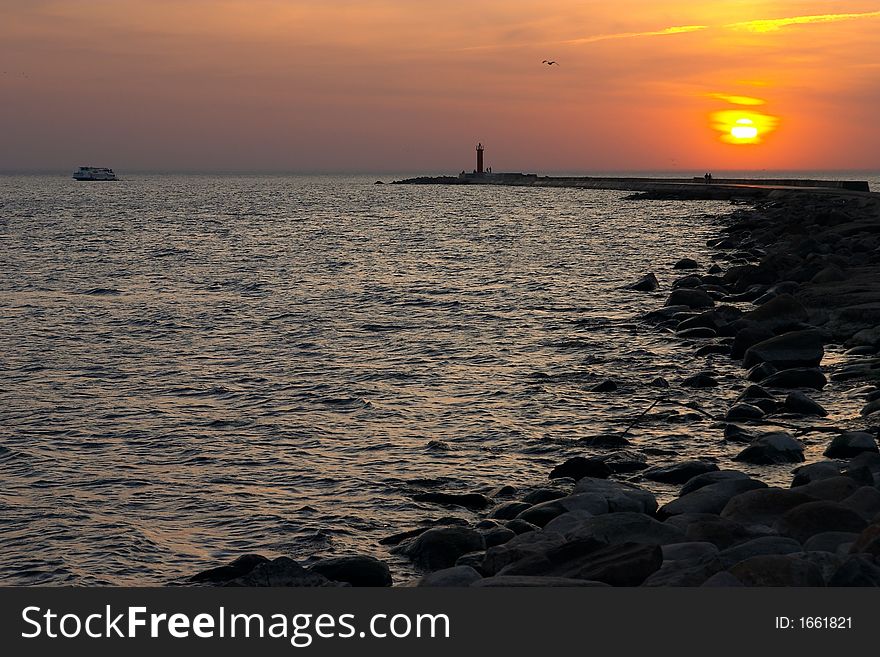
[(795, 273)]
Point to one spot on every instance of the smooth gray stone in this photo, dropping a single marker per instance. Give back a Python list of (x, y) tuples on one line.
[(758, 547), (456, 576)]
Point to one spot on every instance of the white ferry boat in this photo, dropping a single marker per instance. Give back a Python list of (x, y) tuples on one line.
[(94, 173)]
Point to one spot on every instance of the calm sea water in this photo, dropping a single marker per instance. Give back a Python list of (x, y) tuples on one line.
[(192, 367)]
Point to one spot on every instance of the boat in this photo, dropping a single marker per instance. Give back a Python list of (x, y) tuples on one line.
[(94, 173)]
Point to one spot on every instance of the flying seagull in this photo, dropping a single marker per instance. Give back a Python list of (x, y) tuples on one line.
[(550, 62)]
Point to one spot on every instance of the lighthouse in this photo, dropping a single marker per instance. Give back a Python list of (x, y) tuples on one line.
[(479, 158)]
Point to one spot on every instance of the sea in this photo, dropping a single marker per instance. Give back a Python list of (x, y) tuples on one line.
[(194, 367)]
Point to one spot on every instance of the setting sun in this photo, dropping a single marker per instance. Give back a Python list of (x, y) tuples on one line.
[(736, 126)]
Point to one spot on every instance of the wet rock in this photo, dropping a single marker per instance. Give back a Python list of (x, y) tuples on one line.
[(686, 263), (777, 570), (761, 372), (772, 448), (685, 572), (474, 501), (814, 472), (563, 524), (870, 408), (807, 520), (579, 467), (543, 495), (605, 441), (619, 496), (457, 576), (707, 478), (520, 526), (857, 570), (865, 501), (241, 566), (736, 434), (801, 377), (522, 581), (754, 392), (709, 499), (780, 313), (747, 337), (497, 536), (439, 547), (851, 443), (699, 333), (397, 539), (769, 406), (763, 506), (623, 564), (830, 541), (798, 402), (503, 491), (541, 514), (757, 547), (605, 386), (868, 541), (713, 348), (834, 489), (701, 380), (679, 473), (689, 551), (508, 510), (282, 571), (690, 298), (624, 462), (626, 527), (743, 413), (789, 350), (647, 283), (723, 532), (659, 382), (523, 546), (358, 570)]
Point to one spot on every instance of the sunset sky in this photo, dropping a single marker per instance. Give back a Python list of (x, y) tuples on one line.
[(411, 86)]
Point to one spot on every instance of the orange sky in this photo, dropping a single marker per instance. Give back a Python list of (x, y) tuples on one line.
[(410, 86)]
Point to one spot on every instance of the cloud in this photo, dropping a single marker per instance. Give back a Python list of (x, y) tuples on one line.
[(676, 29), (774, 24)]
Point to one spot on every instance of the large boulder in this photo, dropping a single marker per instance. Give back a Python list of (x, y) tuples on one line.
[(709, 478), (679, 473), (780, 313), (834, 489), (806, 474), (684, 572), (797, 402), (524, 545), (473, 501), (763, 506), (868, 541), (508, 510), (851, 443), (777, 570), (723, 532), (690, 297), (757, 547), (799, 377), (746, 337), (793, 349), (240, 566), (620, 496), (830, 542), (772, 448), (439, 547), (807, 520), (647, 283), (579, 467), (865, 501), (358, 570), (623, 564), (541, 514), (709, 499), (626, 527)]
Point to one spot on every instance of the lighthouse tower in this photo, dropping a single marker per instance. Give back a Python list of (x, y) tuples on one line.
[(479, 158)]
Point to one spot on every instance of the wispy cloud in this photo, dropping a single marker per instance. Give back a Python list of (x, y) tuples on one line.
[(774, 24), (676, 29)]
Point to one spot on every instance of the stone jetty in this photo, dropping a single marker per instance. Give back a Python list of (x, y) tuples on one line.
[(797, 273)]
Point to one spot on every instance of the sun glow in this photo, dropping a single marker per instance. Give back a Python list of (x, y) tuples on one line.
[(736, 126)]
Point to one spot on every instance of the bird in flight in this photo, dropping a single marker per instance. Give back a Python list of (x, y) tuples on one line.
[(550, 62)]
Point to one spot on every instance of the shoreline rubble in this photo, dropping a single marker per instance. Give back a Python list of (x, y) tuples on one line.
[(795, 273)]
